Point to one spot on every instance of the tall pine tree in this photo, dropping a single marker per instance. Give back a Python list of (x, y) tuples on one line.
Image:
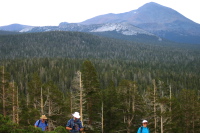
[(91, 92)]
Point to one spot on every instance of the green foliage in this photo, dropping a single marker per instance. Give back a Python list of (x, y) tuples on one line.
[(117, 74), (58, 44), (90, 79), (5, 91), (91, 91), (57, 102), (112, 108), (189, 103), (60, 129), (6, 125), (32, 129)]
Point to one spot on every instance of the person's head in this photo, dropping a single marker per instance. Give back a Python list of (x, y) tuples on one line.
[(76, 115), (144, 123), (43, 118)]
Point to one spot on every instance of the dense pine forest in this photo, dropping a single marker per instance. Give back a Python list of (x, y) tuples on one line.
[(114, 84)]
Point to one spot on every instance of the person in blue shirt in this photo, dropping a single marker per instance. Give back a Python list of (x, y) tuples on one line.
[(144, 128), (42, 123), (74, 125)]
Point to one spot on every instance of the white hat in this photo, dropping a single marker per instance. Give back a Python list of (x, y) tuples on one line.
[(76, 114), (144, 121)]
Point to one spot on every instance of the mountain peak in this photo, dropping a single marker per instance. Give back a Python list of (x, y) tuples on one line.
[(151, 4), (148, 13), (156, 13), (157, 19)]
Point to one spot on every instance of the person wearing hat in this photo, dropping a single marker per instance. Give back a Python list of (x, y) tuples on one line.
[(74, 125), (42, 123), (144, 128)]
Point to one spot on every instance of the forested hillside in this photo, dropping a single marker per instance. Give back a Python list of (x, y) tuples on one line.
[(122, 82)]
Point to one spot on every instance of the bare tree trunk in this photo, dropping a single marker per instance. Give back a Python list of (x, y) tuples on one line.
[(131, 104), (27, 97), (34, 104), (102, 118), (13, 102), (49, 111), (17, 107), (81, 98), (27, 104), (170, 108), (161, 119), (3, 93), (41, 103), (154, 104), (71, 102)]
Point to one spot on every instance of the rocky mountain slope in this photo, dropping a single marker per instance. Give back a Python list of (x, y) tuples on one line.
[(156, 19), (152, 20), (124, 31)]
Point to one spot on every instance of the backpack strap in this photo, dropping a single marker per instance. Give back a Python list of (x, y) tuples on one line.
[(142, 128), (45, 123), (38, 123), (71, 123)]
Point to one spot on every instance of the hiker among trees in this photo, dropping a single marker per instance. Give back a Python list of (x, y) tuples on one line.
[(74, 125), (144, 128), (42, 123)]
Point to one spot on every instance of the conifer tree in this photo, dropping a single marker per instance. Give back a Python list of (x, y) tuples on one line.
[(131, 103), (113, 120), (15, 103), (92, 94), (5, 92), (34, 98), (34, 91), (152, 105), (189, 106), (54, 105), (164, 106), (77, 95)]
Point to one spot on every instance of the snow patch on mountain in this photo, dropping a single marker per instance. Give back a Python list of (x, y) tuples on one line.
[(26, 29), (123, 28)]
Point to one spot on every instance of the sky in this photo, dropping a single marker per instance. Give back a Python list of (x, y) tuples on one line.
[(52, 12)]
